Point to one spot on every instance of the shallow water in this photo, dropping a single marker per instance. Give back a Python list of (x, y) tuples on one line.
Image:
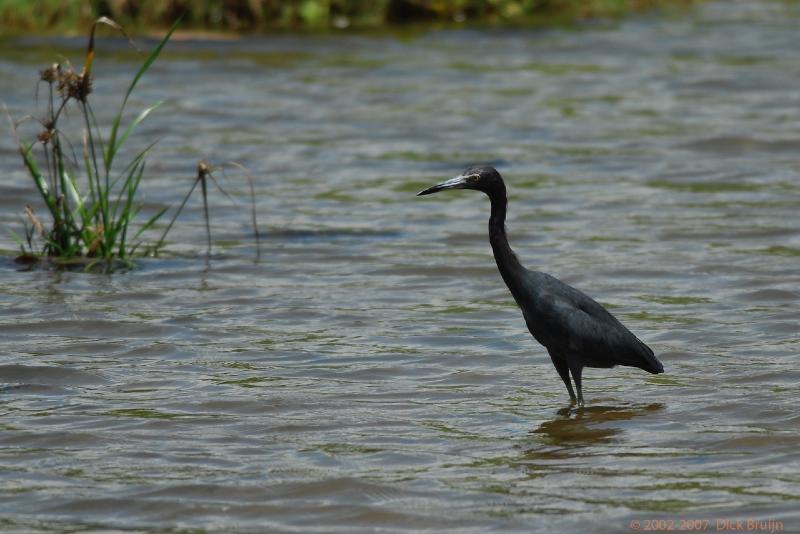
[(370, 370)]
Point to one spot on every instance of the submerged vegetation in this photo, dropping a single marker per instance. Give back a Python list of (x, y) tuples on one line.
[(91, 203), (250, 15)]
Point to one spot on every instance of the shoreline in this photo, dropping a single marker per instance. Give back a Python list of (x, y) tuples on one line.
[(54, 17)]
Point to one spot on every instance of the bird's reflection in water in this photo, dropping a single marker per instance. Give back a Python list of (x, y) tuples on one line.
[(591, 425), (561, 452)]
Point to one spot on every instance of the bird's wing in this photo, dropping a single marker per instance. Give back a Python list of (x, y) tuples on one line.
[(583, 327)]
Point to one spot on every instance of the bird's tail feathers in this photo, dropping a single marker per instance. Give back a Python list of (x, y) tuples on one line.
[(648, 361)]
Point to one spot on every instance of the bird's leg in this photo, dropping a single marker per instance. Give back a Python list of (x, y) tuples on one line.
[(563, 372), (577, 369)]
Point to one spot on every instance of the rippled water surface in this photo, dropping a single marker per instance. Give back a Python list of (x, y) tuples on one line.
[(370, 369)]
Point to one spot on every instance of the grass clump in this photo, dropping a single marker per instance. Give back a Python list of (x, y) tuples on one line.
[(92, 205)]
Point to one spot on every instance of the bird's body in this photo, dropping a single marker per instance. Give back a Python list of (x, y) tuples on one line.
[(576, 330)]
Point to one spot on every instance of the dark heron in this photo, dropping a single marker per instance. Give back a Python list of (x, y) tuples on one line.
[(576, 330)]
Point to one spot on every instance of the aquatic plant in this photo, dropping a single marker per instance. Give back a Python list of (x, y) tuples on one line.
[(205, 174), (91, 204)]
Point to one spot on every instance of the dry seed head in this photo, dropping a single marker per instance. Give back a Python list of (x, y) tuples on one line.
[(65, 79), (74, 85), (49, 131), (50, 74), (203, 168), (85, 87), (45, 136)]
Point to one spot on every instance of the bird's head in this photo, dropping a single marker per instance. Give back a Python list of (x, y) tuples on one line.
[(485, 179)]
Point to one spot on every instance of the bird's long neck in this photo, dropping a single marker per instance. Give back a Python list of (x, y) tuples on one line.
[(508, 264)]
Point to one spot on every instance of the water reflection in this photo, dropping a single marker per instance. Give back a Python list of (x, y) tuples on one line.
[(587, 426)]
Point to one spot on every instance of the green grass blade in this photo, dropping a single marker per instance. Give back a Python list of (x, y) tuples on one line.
[(97, 134), (113, 145), (90, 176), (85, 232), (160, 242), (135, 161), (89, 150), (30, 163), (70, 194), (150, 222), (132, 126), (74, 196), (127, 213), (130, 171)]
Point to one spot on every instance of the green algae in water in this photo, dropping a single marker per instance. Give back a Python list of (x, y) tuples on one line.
[(662, 318), (550, 69), (611, 239), (251, 382), (677, 301), (709, 187), (532, 181), (453, 432), (336, 196), (342, 449), (142, 413), (779, 250), (664, 380)]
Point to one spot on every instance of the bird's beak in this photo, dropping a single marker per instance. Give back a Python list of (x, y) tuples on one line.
[(459, 182)]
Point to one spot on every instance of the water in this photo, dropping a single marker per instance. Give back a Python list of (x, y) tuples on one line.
[(370, 370)]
